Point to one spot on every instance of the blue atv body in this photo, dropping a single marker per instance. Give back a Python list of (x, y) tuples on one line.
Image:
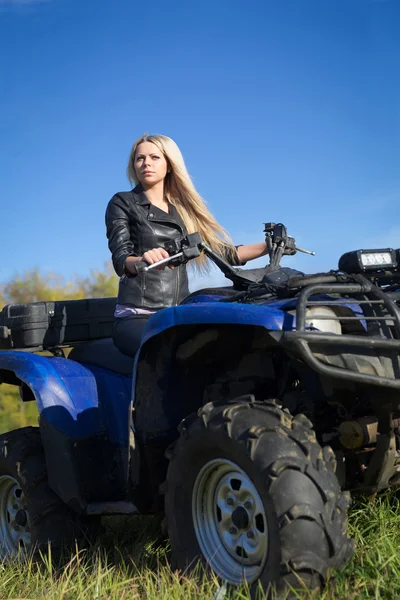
[(222, 421), (85, 401)]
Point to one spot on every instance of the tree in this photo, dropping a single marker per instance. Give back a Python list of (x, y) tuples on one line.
[(34, 286), (100, 284)]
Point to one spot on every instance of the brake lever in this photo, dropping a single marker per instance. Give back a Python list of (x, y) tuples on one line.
[(164, 261), (305, 251), (191, 247)]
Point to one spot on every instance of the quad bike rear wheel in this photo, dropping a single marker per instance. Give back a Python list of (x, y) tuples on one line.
[(32, 516), (253, 496)]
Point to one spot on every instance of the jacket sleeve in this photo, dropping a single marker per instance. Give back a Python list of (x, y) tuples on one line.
[(118, 232), (232, 257)]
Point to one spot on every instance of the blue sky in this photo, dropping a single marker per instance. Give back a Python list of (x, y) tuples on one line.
[(285, 110)]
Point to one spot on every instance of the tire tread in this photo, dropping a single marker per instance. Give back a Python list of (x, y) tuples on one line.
[(254, 424)]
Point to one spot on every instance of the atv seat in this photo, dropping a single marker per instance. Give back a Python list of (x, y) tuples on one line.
[(104, 354)]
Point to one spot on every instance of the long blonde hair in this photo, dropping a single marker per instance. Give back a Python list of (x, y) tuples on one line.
[(181, 193)]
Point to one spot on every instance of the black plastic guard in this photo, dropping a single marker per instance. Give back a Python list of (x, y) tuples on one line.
[(84, 470)]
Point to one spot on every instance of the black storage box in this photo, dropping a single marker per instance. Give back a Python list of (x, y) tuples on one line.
[(48, 324)]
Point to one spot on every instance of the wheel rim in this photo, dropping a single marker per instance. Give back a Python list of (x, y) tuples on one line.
[(15, 531), (230, 521)]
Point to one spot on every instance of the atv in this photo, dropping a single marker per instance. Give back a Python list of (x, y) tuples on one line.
[(248, 415)]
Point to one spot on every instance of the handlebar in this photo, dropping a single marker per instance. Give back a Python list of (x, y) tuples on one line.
[(164, 261), (279, 243), (191, 246), (180, 251)]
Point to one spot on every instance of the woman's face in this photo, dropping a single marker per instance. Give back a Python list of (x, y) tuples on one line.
[(150, 164)]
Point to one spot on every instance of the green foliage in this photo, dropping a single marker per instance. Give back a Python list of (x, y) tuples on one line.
[(13, 412), (34, 286), (100, 284)]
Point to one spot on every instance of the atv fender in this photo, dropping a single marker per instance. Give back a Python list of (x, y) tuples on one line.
[(81, 460), (181, 349), (65, 391), (221, 313), (153, 360)]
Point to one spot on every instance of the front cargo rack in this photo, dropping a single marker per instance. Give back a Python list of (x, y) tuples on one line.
[(378, 320)]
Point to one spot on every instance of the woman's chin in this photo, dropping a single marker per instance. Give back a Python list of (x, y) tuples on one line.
[(150, 180)]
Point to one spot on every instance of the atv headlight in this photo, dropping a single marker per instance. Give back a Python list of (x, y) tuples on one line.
[(324, 319), (361, 261), (376, 259)]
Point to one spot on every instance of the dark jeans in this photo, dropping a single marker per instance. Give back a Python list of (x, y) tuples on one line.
[(127, 332)]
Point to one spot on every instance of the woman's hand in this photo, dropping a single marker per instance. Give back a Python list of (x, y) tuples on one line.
[(150, 257), (154, 255)]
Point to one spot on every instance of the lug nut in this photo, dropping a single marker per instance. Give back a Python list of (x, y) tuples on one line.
[(230, 501), (248, 504), (251, 534), (233, 530)]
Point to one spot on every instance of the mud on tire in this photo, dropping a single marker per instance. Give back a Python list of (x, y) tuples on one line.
[(298, 522)]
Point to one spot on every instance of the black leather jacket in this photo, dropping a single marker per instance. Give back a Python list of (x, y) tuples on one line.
[(135, 226)]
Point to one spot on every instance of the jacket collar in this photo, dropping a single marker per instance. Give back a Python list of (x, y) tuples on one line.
[(139, 195)]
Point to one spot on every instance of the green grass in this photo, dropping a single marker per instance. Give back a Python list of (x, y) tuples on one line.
[(129, 563)]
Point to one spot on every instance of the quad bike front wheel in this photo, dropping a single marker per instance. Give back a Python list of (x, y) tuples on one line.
[(252, 495), (32, 516)]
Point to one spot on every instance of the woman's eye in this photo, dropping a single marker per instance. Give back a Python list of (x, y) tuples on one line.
[(155, 157)]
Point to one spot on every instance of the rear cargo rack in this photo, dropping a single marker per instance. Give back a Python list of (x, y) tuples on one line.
[(380, 319), (38, 326)]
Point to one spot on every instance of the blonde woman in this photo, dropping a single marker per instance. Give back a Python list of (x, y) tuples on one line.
[(163, 205)]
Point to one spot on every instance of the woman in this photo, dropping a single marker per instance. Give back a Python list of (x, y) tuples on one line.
[(164, 205)]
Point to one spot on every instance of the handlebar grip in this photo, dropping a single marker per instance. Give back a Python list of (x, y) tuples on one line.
[(139, 267)]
